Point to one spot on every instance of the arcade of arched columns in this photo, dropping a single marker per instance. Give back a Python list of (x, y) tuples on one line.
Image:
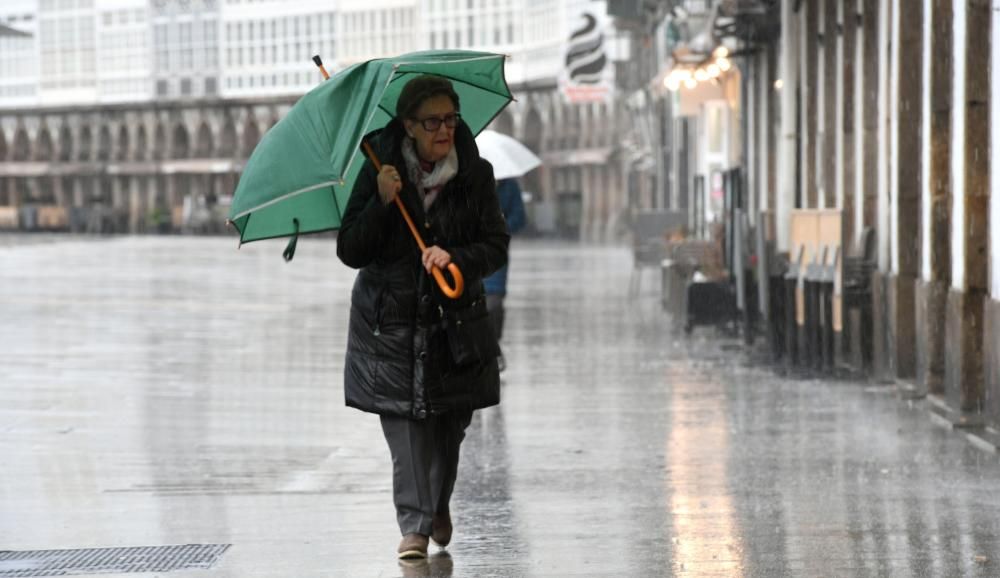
[(138, 162), (580, 188)]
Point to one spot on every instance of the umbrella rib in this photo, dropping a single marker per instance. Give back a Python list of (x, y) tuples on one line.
[(357, 145), (485, 57), (482, 88), (285, 235), (287, 196), (336, 203)]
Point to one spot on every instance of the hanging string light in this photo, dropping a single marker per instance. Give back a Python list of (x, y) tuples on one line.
[(708, 71)]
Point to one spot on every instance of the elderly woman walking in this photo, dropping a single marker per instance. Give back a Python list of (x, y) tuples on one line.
[(422, 361)]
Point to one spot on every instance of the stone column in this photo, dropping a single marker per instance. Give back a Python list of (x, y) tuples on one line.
[(135, 205), (868, 153), (769, 128), (7, 191), (78, 193), (932, 288), (992, 313), (753, 74), (830, 34), (882, 347), (810, 103), (848, 24), (786, 168), (970, 234), (175, 191), (58, 192), (905, 189)]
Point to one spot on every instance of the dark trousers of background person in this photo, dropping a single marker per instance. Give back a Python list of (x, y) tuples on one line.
[(424, 466), (494, 304)]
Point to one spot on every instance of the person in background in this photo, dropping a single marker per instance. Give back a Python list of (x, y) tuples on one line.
[(512, 206)]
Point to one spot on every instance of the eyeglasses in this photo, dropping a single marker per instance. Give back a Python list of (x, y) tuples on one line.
[(433, 123)]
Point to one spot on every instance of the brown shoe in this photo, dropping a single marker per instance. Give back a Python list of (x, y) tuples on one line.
[(441, 533), (413, 546)]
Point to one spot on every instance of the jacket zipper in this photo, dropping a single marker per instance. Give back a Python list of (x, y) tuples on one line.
[(378, 312)]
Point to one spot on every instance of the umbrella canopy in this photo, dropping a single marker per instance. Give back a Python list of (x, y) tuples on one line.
[(300, 175), (508, 156)]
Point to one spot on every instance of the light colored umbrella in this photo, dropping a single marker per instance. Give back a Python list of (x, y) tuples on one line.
[(508, 156)]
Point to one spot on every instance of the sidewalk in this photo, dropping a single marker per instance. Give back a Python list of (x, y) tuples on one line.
[(160, 391)]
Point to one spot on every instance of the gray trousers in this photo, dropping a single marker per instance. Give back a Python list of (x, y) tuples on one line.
[(424, 466)]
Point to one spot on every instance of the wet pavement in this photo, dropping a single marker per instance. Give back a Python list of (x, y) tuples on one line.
[(169, 391)]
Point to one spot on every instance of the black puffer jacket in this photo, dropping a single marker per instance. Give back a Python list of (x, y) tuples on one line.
[(398, 360)]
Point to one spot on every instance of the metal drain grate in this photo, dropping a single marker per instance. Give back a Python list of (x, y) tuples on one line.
[(109, 560)]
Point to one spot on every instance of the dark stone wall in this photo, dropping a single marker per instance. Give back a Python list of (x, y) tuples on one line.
[(931, 302), (902, 327), (964, 350), (881, 328), (991, 362)]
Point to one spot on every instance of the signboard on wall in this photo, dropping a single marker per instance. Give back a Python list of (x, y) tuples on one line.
[(588, 73)]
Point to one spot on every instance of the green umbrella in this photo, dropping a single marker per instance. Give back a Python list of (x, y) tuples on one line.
[(300, 175)]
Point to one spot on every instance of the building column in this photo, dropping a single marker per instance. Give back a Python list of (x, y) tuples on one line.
[(970, 262), (845, 130), (78, 193), (991, 323), (810, 103), (7, 193), (991, 314), (827, 161), (763, 120), (935, 279), (750, 92), (904, 190), (868, 103), (882, 346), (134, 204), (787, 165), (847, 23)]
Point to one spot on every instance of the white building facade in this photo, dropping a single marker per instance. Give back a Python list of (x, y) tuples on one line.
[(19, 52), (124, 49), (221, 72), (267, 46), (185, 43), (139, 50)]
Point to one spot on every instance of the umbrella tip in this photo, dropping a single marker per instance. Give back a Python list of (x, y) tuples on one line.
[(317, 60)]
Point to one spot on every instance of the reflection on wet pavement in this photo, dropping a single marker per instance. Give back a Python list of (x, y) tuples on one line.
[(160, 391)]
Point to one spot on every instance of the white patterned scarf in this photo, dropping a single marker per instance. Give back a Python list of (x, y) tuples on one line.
[(429, 184)]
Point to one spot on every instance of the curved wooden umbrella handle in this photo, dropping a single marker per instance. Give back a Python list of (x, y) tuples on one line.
[(456, 275)]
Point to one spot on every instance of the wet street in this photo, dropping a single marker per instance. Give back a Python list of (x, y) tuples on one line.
[(172, 391)]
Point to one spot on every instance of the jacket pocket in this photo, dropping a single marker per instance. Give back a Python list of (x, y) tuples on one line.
[(471, 337)]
